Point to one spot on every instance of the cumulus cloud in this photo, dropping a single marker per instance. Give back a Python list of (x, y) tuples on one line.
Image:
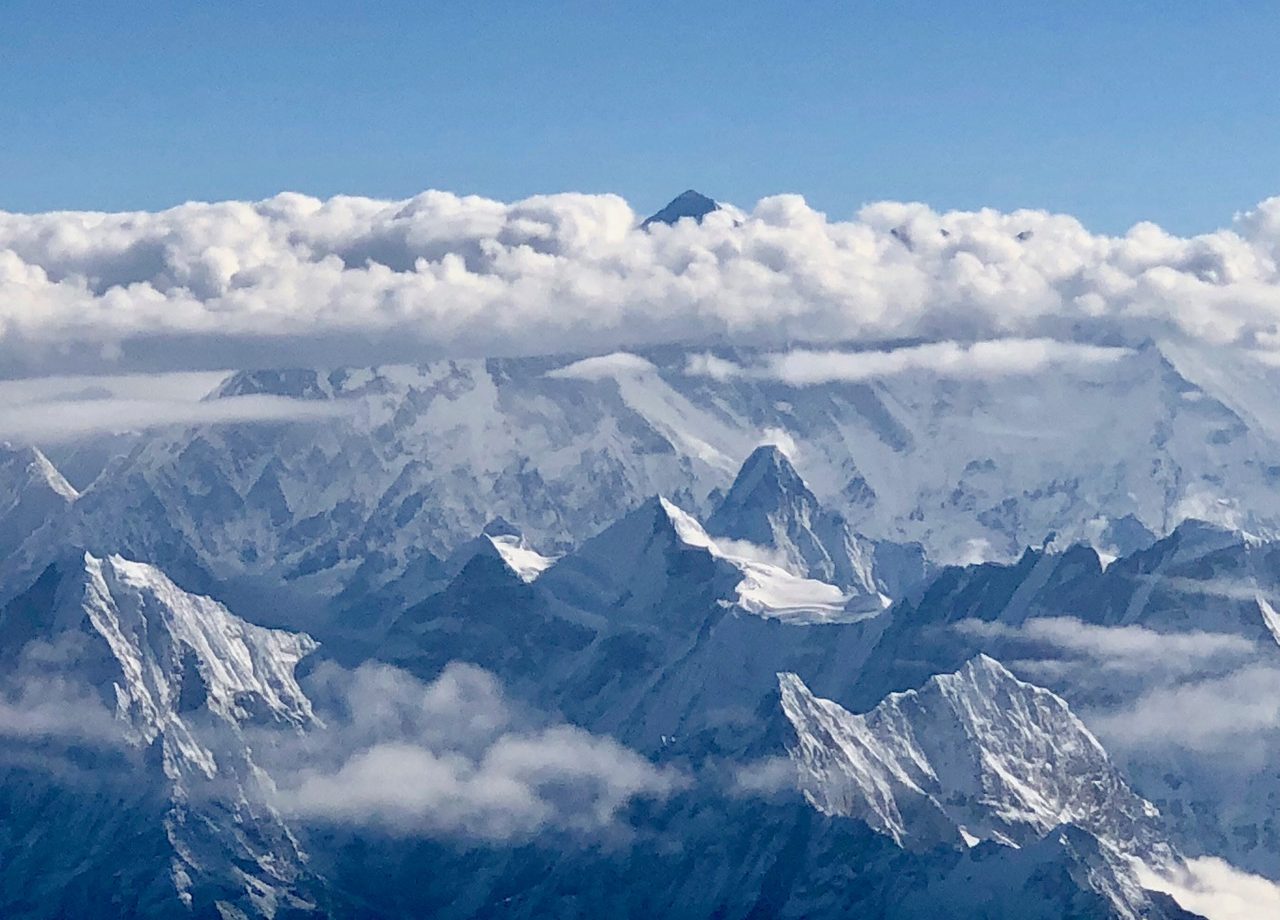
[(291, 278), (450, 757), (1215, 889), (1001, 357), (46, 410)]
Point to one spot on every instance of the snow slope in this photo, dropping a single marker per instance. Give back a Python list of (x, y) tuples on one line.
[(420, 458)]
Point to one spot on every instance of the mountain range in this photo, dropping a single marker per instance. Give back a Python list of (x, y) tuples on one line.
[(674, 630)]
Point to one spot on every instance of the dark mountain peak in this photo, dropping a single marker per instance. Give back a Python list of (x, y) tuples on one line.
[(500, 527), (766, 482), (769, 465), (659, 543), (688, 203), (296, 383)]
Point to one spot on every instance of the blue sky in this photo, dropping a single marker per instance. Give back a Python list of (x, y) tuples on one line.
[(1112, 112)]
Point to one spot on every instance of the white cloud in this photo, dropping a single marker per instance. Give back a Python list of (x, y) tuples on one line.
[(180, 387), (1000, 357), (604, 366), (48, 708), (46, 410), (764, 778), (294, 279), (1132, 649), (450, 757), (781, 439), (1217, 890), (1232, 714)]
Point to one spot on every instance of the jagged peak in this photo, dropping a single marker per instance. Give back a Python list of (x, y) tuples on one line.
[(766, 484), (976, 753), (654, 523), (295, 383), (686, 528), (1191, 539), (1198, 531), (247, 670), (982, 663), (500, 527)]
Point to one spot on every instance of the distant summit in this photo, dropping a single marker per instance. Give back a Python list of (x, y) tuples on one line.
[(686, 204)]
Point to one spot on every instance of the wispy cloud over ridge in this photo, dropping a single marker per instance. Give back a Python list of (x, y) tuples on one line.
[(46, 410), (574, 272), (995, 358)]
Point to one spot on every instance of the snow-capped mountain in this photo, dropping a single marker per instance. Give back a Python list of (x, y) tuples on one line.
[(1170, 642), (418, 459), (136, 694), (665, 654), (770, 506), (974, 756), (543, 519)]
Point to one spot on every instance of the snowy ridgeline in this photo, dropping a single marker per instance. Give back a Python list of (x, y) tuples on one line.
[(419, 459)]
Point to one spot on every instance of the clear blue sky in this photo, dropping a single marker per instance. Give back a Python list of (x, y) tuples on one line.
[(1115, 111)]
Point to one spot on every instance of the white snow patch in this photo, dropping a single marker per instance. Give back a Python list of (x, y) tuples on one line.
[(526, 562), (767, 590)]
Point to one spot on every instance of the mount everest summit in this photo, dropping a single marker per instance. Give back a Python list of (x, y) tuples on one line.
[(671, 630)]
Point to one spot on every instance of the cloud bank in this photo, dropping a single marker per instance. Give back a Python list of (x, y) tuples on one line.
[(1204, 692), (47, 410), (293, 276), (450, 757), (1128, 649), (996, 358), (1235, 714)]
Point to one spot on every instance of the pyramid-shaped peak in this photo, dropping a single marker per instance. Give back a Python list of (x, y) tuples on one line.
[(522, 559), (685, 526), (766, 482), (768, 464), (982, 663), (654, 523), (28, 466), (500, 527), (689, 203)]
